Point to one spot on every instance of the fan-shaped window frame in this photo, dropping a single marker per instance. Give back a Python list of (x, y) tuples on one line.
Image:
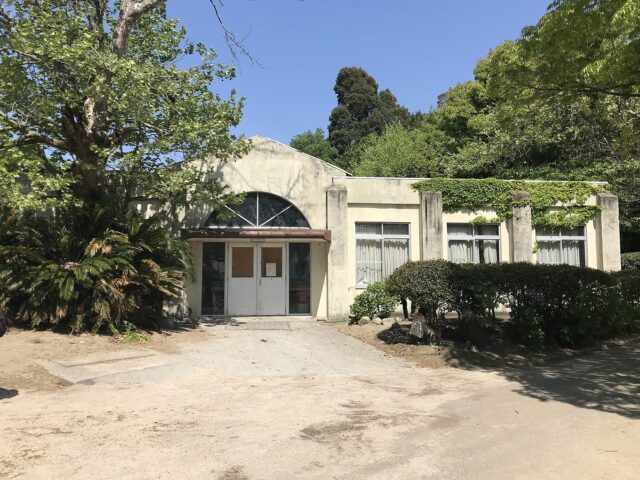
[(259, 223)]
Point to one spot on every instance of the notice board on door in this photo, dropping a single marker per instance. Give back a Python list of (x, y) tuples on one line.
[(270, 270)]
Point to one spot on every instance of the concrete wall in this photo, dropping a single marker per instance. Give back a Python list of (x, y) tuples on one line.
[(278, 169), (330, 199)]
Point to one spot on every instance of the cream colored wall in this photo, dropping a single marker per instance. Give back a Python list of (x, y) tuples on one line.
[(379, 191), (303, 180), (380, 214), (319, 280), (278, 169)]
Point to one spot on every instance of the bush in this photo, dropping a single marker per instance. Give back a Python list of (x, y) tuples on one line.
[(88, 269), (375, 301), (631, 261), (550, 304), (560, 304), (427, 284)]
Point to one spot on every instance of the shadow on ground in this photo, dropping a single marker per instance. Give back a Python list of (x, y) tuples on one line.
[(606, 380), (4, 393)]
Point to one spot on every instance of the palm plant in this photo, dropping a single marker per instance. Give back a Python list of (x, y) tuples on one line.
[(89, 269)]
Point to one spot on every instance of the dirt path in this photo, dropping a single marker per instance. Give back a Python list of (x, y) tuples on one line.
[(310, 403)]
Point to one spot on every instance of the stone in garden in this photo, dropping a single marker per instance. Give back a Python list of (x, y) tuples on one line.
[(417, 327), (364, 320), (377, 321)]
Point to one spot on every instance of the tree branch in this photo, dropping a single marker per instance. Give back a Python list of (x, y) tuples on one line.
[(130, 12), (233, 43)]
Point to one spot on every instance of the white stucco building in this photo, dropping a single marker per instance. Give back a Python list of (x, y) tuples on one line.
[(310, 236)]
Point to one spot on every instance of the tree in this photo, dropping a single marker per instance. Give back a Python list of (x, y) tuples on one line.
[(88, 88), (94, 113), (361, 110), (580, 47), (315, 144), (402, 152)]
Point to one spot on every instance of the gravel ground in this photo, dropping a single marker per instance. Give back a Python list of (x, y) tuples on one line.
[(303, 401)]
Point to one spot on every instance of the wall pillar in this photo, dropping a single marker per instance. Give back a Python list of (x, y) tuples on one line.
[(521, 244), (431, 222), (608, 224), (338, 289)]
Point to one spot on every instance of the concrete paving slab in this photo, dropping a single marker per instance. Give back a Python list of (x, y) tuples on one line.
[(88, 368), (265, 325)]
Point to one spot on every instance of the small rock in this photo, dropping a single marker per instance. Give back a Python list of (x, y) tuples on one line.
[(377, 321), (605, 347), (364, 320), (474, 349)]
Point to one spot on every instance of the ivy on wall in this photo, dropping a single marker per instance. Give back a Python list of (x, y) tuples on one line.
[(496, 194)]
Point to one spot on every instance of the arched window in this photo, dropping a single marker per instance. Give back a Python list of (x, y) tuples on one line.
[(259, 210)]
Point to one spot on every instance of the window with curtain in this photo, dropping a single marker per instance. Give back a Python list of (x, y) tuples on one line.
[(473, 243), (380, 249), (561, 246)]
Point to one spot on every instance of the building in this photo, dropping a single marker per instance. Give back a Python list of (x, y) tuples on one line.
[(310, 236)]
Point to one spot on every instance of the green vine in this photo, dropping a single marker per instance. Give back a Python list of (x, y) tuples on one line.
[(496, 194), (482, 220)]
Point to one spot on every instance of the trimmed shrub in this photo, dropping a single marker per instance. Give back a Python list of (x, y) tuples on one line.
[(427, 284), (375, 301), (631, 261), (550, 304), (560, 304)]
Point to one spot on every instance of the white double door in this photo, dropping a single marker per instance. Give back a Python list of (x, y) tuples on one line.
[(257, 284)]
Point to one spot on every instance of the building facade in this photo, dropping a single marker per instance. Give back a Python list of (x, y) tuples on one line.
[(309, 236)]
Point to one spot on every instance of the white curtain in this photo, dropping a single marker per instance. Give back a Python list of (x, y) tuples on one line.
[(549, 252), (396, 253), (368, 262), (488, 251), (461, 251), (571, 250), (368, 229), (457, 229)]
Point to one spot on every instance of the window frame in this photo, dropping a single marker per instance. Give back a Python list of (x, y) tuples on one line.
[(258, 225), (381, 237), (561, 238), (474, 238)]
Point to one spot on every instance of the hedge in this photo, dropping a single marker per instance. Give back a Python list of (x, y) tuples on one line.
[(549, 304), (631, 261)]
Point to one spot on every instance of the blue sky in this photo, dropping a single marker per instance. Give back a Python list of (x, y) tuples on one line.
[(416, 48)]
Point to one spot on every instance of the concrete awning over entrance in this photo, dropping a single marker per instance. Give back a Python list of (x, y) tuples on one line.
[(282, 233)]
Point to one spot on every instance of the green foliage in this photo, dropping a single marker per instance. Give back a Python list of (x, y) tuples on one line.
[(315, 144), (631, 261), (134, 336), (399, 152), (580, 47), (95, 113), (497, 126), (492, 193), (375, 301), (361, 110), (549, 304), (88, 269), (427, 284), (80, 101)]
